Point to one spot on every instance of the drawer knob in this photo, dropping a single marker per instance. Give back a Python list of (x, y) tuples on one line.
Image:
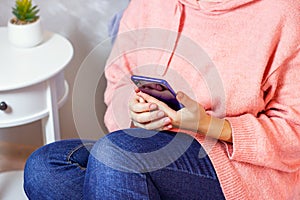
[(3, 106)]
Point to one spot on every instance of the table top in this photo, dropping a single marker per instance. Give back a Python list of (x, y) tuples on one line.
[(22, 67)]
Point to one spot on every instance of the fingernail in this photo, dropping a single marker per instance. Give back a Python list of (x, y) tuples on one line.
[(152, 106), (160, 114), (180, 95), (167, 120)]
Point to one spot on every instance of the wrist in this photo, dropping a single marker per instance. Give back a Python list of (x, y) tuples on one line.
[(216, 128), (204, 124)]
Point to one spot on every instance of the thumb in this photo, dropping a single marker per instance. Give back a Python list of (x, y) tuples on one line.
[(185, 100)]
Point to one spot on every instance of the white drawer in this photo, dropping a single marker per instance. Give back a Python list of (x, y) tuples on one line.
[(28, 104)]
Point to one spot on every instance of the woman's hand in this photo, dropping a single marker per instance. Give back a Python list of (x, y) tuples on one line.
[(189, 117), (192, 117), (147, 115)]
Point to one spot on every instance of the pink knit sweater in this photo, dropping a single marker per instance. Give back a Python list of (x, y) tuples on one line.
[(240, 59)]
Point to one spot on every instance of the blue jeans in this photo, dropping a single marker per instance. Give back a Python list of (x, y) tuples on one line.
[(126, 164)]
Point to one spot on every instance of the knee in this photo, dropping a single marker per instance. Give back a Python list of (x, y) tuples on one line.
[(132, 140), (35, 164), (128, 150), (44, 167), (112, 152), (121, 141)]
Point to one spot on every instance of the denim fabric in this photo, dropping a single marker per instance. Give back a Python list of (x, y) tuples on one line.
[(56, 171), (127, 164)]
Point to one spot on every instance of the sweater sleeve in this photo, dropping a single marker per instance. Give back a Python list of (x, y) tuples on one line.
[(272, 139)]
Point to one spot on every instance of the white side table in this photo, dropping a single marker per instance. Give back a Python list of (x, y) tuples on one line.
[(32, 83)]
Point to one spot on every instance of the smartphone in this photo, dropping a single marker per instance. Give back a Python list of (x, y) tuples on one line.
[(158, 88)]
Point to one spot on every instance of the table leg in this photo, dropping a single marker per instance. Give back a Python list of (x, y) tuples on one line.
[(50, 124)]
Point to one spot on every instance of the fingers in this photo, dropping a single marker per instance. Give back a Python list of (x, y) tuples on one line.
[(143, 112), (161, 105), (161, 124), (147, 117), (138, 105), (142, 107)]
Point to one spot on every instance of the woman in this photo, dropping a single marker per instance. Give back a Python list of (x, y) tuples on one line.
[(244, 92)]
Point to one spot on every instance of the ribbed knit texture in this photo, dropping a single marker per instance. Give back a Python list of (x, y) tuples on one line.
[(254, 47)]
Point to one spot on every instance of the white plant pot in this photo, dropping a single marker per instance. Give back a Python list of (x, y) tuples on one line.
[(25, 36)]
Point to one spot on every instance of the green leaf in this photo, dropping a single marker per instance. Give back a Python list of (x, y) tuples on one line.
[(33, 8), (25, 11)]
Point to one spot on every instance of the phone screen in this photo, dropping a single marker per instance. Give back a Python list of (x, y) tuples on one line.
[(159, 89)]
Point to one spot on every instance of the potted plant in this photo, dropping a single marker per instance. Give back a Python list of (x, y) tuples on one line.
[(24, 30)]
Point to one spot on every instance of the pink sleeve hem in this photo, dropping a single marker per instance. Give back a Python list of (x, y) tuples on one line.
[(244, 143)]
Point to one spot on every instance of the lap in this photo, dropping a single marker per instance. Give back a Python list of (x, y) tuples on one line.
[(167, 158), (153, 150)]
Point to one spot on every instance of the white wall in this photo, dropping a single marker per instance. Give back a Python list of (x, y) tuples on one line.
[(84, 23)]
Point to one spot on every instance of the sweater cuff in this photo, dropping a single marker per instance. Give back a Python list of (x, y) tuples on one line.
[(244, 140)]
